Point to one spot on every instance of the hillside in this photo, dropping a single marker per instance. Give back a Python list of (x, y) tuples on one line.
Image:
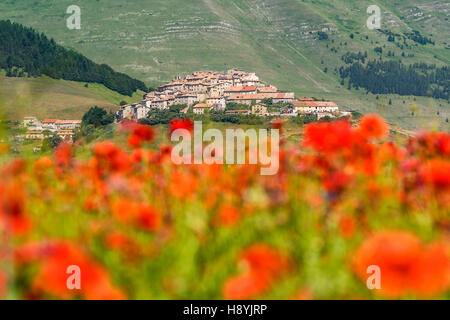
[(44, 97), (25, 52), (156, 40)]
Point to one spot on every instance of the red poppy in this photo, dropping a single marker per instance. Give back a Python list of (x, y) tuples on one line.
[(347, 226), (265, 264), (63, 154), (329, 137), (145, 132), (12, 209), (373, 126), (436, 172), (278, 124), (105, 149), (134, 141), (263, 258), (149, 218), (406, 266), (228, 215), (3, 284), (55, 257), (246, 286), (185, 124)]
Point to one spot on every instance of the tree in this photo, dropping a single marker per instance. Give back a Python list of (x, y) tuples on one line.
[(97, 117), (413, 109), (322, 35), (51, 142)]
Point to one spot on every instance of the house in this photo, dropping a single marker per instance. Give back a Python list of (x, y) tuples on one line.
[(67, 124), (141, 111), (195, 87), (173, 86), (250, 79), (31, 122), (248, 99), (217, 102), (312, 106), (160, 104), (49, 124), (66, 135), (35, 135), (201, 108), (267, 89), (321, 115), (240, 90), (185, 110), (260, 110)]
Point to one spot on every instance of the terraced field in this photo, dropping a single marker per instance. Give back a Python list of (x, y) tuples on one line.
[(156, 40)]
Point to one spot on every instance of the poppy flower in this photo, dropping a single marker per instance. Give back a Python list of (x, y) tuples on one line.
[(117, 240), (54, 259), (63, 154), (124, 210), (265, 265), (140, 133), (347, 226), (263, 258), (228, 215), (246, 286), (183, 184), (3, 284), (43, 163), (144, 132), (373, 126), (149, 218), (14, 168), (12, 208), (432, 271), (406, 265), (436, 172), (329, 137), (105, 149), (134, 141), (185, 124), (277, 125)]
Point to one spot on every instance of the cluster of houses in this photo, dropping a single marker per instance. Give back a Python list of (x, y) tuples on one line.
[(38, 130), (211, 90)]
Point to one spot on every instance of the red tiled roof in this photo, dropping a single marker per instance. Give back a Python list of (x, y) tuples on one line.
[(67, 121), (49, 120), (241, 89), (261, 96), (314, 104)]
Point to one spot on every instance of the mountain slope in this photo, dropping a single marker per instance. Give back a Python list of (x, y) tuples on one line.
[(44, 97), (156, 40), (25, 51)]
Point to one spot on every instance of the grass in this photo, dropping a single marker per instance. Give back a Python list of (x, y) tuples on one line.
[(44, 97)]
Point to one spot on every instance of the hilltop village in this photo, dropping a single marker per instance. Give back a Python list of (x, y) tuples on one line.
[(214, 91), (234, 92)]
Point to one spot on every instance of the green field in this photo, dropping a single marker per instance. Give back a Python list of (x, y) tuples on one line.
[(156, 40), (44, 97)]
